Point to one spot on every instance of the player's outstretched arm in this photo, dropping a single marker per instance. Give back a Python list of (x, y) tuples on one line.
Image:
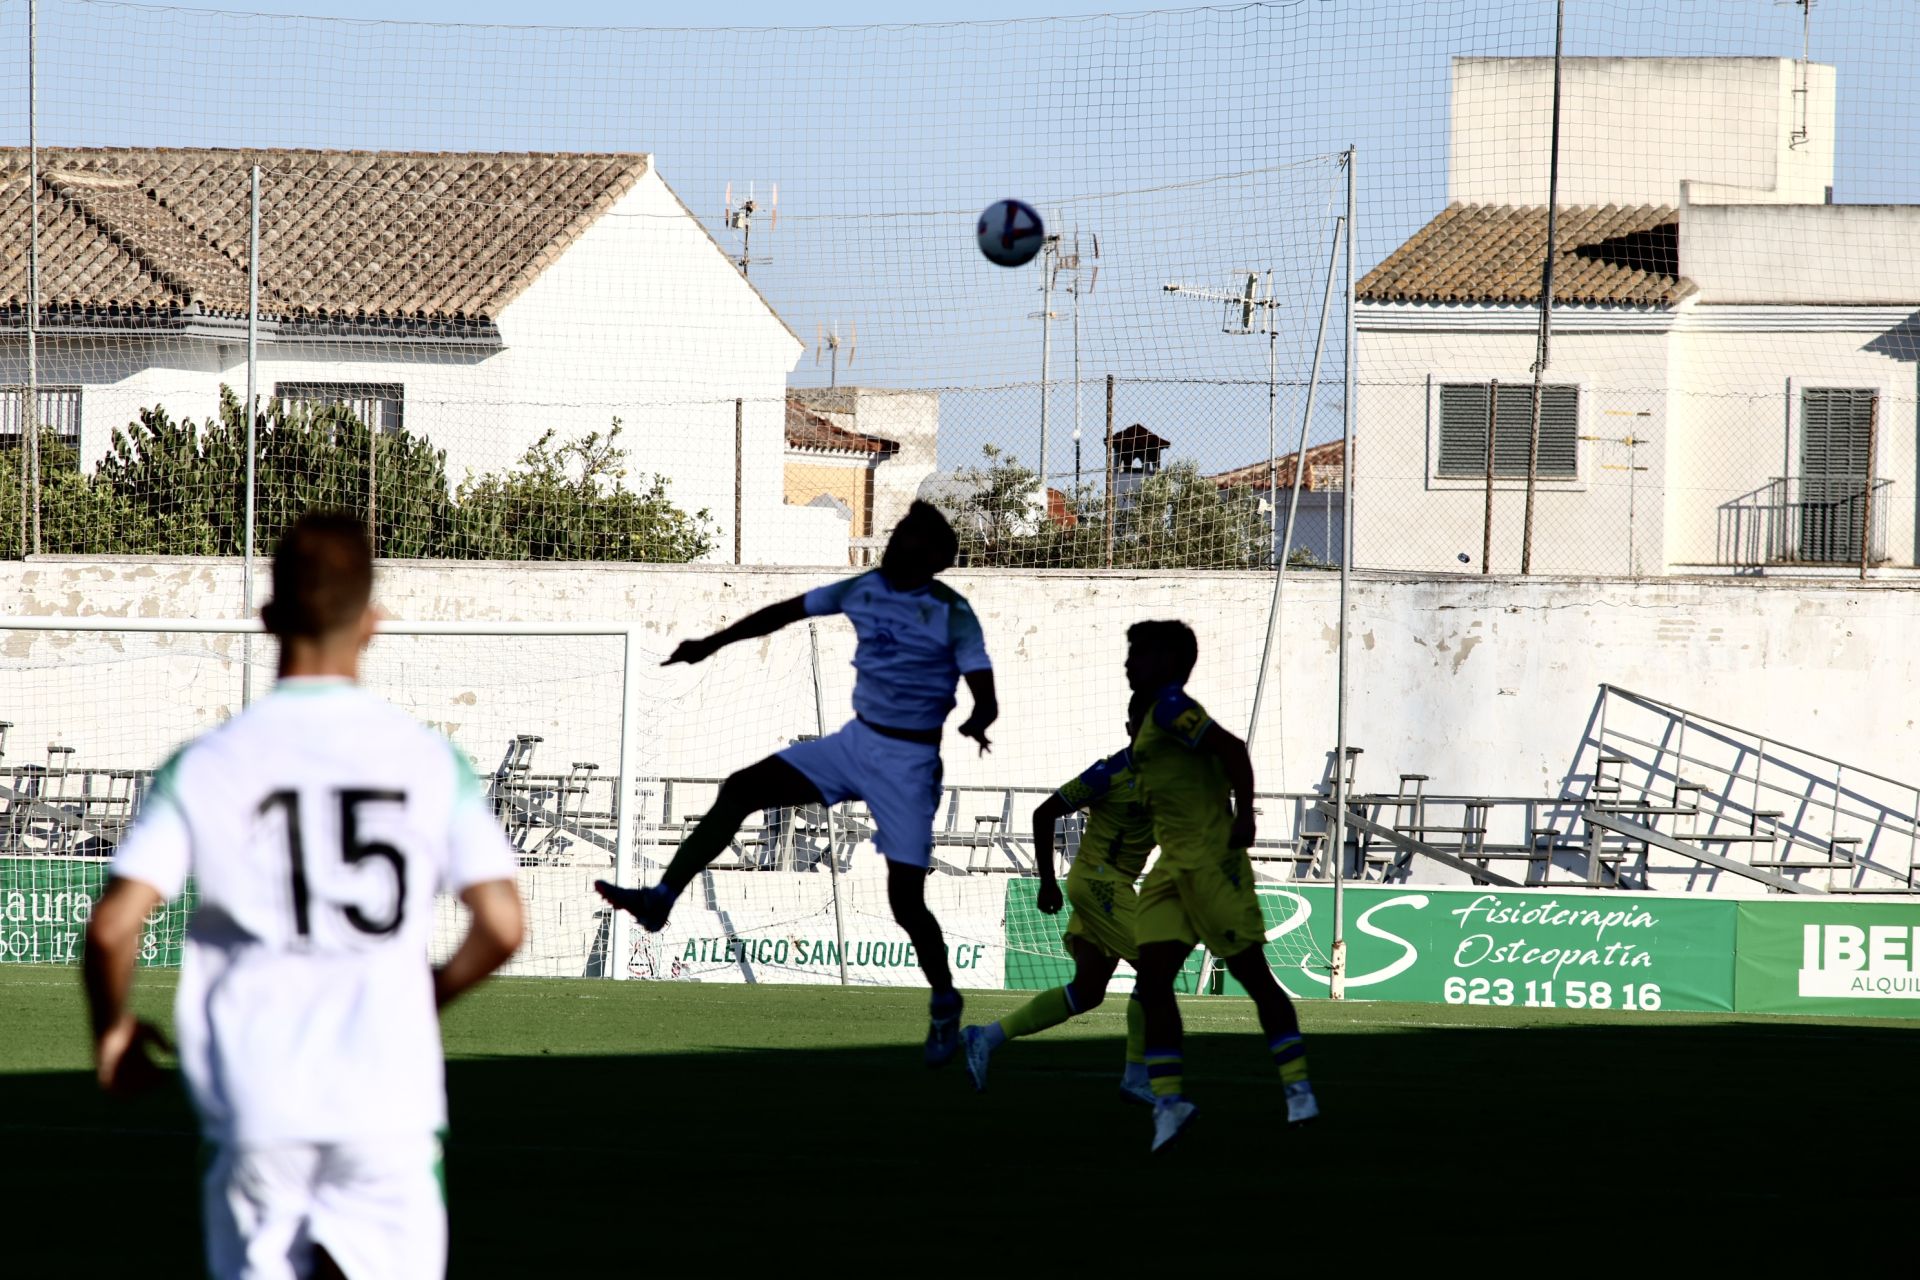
[(762, 622), (986, 709), (1233, 757), (120, 1041), (494, 933), (1045, 816)]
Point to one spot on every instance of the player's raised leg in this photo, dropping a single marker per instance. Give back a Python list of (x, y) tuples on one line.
[(1092, 970), (1281, 1026), (773, 783)]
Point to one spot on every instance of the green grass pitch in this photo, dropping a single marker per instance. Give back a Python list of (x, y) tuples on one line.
[(602, 1127)]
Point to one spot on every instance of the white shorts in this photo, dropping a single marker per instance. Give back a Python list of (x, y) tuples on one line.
[(377, 1208), (899, 780)]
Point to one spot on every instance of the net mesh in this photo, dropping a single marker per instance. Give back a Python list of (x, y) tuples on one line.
[(712, 296), (92, 713), (750, 250)]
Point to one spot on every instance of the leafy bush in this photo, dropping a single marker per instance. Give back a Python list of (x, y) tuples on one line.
[(1175, 519), (170, 487)]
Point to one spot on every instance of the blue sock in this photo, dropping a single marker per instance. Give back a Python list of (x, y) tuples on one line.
[(944, 1004)]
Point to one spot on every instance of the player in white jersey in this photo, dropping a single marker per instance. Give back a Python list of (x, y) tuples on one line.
[(918, 639), (318, 826)]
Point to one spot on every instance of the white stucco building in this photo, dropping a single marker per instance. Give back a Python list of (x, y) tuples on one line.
[(1733, 356), (479, 299)]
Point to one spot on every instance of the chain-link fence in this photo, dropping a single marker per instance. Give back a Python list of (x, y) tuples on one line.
[(726, 305)]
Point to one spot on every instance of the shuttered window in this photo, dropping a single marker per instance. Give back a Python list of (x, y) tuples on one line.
[(1835, 426), (1463, 430), (59, 415), (379, 405)]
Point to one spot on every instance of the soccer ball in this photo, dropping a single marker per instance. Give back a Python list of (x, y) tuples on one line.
[(1010, 233)]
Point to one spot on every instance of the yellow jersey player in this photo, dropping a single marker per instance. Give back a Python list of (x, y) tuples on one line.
[(1099, 934), (1201, 889)]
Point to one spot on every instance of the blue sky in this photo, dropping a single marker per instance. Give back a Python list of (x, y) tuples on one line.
[(1197, 143)]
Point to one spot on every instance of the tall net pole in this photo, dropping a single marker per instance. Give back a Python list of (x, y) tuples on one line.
[(1546, 291), (253, 361), (30, 415), (1337, 977)]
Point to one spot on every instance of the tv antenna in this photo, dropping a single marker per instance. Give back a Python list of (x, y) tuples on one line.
[(743, 216), (1252, 307), (1085, 274), (1061, 258), (827, 342)]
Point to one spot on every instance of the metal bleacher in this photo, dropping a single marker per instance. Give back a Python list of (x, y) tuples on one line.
[(1659, 797)]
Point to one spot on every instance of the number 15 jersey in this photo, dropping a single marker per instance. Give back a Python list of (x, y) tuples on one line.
[(318, 826)]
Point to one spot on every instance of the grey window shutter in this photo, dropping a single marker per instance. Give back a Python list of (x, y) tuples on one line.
[(1463, 430), (1835, 425)]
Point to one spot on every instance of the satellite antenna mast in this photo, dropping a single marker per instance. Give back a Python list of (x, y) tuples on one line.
[(1252, 308), (1801, 133), (1086, 274), (742, 217), (827, 341), (1049, 276)]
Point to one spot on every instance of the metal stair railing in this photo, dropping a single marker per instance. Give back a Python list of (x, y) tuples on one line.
[(1746, 796)]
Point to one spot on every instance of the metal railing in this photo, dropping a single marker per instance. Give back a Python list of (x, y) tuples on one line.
[(1778, 809), (1818, 518)]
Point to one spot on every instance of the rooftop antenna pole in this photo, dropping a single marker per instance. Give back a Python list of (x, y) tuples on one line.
[(1080, 288), (1076, 387), (741, 219), (1546, 290), (1049, 265)]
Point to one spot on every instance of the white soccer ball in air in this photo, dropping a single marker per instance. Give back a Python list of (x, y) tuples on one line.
[(1010, 233)]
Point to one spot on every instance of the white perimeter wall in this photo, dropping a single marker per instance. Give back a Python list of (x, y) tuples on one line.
[(1487, 686)]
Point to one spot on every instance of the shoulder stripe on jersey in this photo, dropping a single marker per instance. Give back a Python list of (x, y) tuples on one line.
[(166, 779), (466, 783)]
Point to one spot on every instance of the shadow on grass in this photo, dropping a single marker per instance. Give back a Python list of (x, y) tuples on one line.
[(854, 1158)]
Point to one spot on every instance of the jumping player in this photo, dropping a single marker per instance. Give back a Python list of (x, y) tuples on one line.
[(1201, 889), (318, 826), (1099, 934), (917, 639)]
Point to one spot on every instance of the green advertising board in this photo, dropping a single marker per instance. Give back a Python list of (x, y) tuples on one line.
[(45, 904), (1851, 957), (1544, 948)]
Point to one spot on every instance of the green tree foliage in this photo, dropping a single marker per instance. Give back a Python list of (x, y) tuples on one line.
[(1176, 519), (565, 502), (170, 487), (77, 517)]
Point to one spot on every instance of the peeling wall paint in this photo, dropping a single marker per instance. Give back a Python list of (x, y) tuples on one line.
[(1486, 685)]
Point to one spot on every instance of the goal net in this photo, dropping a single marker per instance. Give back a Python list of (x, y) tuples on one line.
[(545, 715), (94, 706)]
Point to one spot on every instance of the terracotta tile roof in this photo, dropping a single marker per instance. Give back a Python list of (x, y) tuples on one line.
[(1608, 254), (350, 236), (809, 430), (1321, 458)]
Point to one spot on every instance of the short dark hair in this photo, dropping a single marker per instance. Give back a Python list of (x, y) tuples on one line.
[(322, 576), (1170, 639), (924, 521)]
